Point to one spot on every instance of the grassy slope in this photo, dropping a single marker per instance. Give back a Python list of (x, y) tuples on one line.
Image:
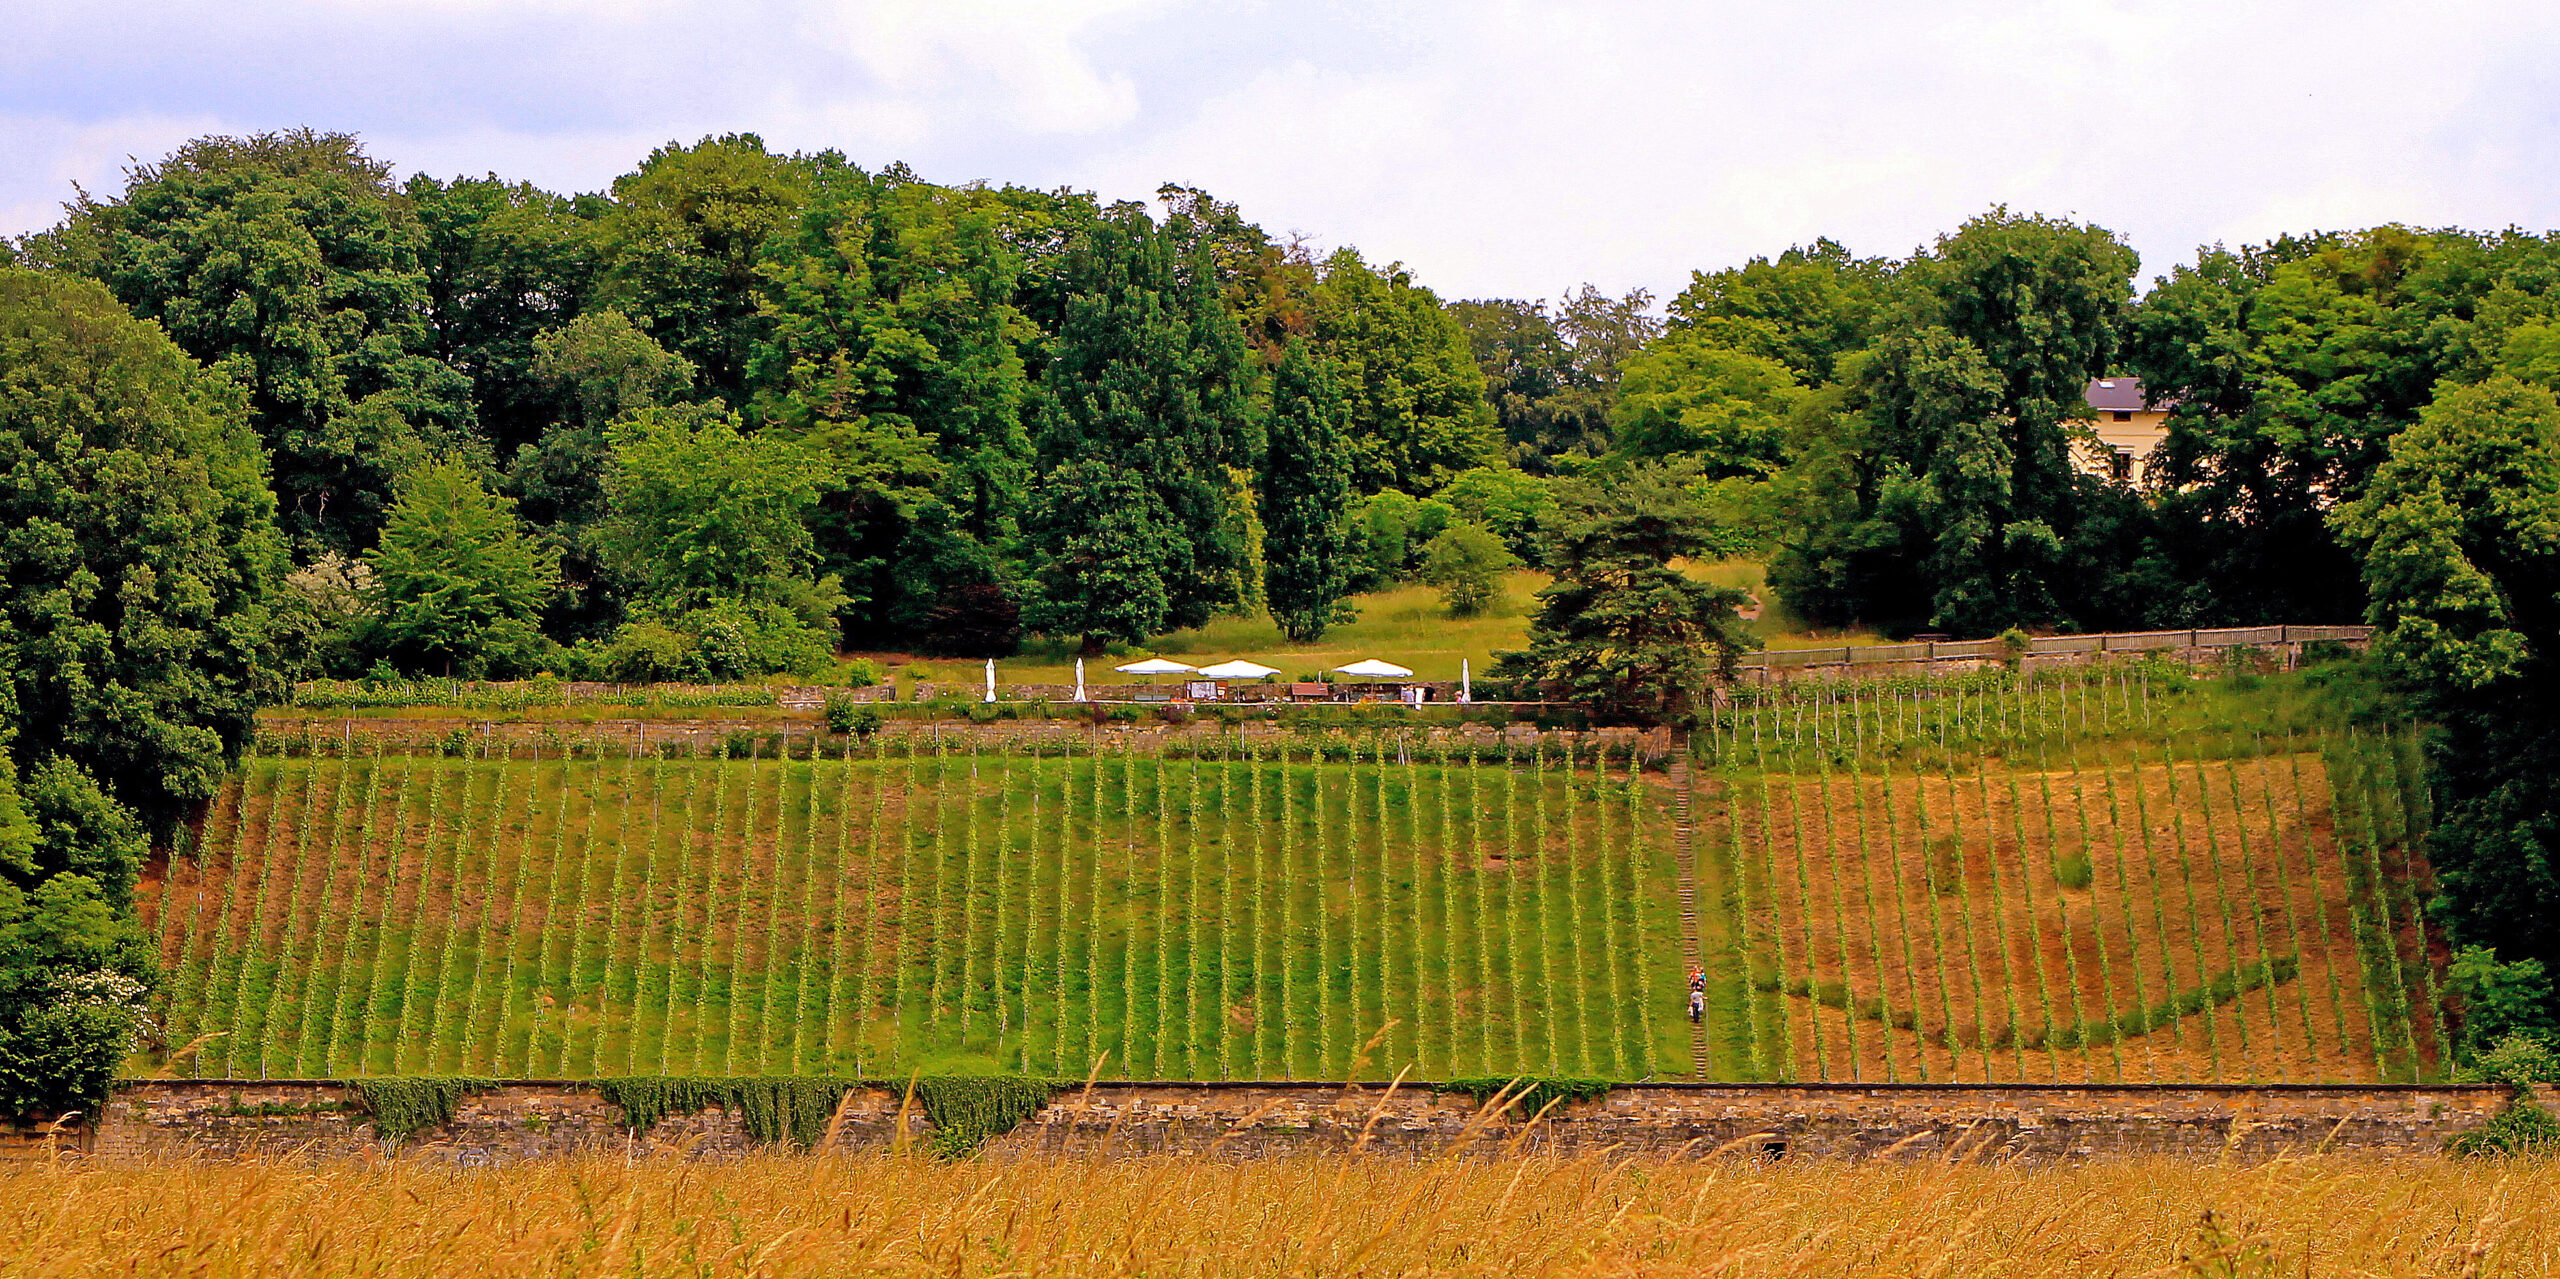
[(424, 915), (1406, 625)]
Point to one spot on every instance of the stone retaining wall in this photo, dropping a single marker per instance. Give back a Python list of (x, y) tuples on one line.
[(157, 1120)]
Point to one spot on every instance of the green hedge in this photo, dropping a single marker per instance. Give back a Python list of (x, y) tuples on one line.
[(1529, 1094)]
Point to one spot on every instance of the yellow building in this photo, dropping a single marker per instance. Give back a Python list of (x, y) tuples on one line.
[(2129, 427)]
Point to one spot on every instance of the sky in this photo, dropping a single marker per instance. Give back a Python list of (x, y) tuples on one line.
[(1499, 149)]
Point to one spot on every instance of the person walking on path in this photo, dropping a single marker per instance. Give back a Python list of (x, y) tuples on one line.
[(1697, 995)]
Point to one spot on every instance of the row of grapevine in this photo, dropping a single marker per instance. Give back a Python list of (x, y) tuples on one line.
[(1262, 909), (2233, 910)]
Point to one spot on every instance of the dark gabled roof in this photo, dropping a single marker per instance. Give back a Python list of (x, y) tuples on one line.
[(2121, 394)]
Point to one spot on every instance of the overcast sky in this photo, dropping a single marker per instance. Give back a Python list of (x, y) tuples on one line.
[(1500, 149)]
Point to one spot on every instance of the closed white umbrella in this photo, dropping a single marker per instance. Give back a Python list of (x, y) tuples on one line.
[(1374, 669), (1153, 666), (1238, 669)]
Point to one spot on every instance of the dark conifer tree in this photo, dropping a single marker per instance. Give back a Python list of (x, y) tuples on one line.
[(1306, 485)]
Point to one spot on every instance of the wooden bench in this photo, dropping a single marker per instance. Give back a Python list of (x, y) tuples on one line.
[(1311, 692)]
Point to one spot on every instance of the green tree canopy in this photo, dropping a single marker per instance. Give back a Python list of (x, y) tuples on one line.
[(895, 344), (459, 584), (1808, 310), (2459, 535), (1466, 563), (1147, 391), (1418, 415), (505, 262), (1686, 396), (681, 246), (138, 549), (1306, 488), (700, 513), (292, 260)]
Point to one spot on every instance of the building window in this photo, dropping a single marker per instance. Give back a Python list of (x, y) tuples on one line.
[(2123, 415), (2120, 466)]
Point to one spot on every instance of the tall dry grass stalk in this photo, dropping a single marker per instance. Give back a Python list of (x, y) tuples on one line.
[(883, 1215)]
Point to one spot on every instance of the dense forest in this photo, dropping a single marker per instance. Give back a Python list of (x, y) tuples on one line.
[(269, 412)]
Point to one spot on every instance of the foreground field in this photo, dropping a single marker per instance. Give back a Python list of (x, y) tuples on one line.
[(891, 1215)]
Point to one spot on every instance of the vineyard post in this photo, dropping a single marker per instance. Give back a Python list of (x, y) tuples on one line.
[(613, 928), (1417, 922), (2284, 887), (1191, 920), (807, 966), (2097, 919), (1964, 908), (1570, 855), (1758, 1055), (2328, 932), (513, 937), (687, 837), (1778, 926), (310, 969), (188, 1014), (2195, 912), (2062, 897), (338, 1024), (1604, 853), (1165, 911), (577, 922), (453, 916), (1875, 936), (2027, 894), (1839, 919), (2387, 934), (1902, 924), (2231, 933), (840, 887)]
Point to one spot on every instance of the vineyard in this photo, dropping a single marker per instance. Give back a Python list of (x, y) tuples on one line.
[(2125, 876), (937, 903), (2099, 879)]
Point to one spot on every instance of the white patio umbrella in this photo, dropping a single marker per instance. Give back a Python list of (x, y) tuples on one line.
[(1374, 669), (1153, 666), (1238, 669)]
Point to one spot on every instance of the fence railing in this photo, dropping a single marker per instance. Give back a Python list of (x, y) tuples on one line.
[(2120, 642)]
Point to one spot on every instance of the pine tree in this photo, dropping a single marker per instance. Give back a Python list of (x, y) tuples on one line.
[(1306, 486)]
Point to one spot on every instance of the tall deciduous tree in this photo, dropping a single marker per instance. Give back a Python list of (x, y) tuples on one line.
[(505, 262), (1147, 394), (1961, 495), (1418, 415), (1306, 493), (459, 584), (2459, 536), (292, 260), (680, 248), (1622, 627), (895, 345), (138, 549)]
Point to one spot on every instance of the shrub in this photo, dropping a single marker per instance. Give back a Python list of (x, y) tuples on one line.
[(845, 715), (2074, 871)]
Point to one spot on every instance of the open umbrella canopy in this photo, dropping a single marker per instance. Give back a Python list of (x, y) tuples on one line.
[(1153, 666), (1374, 669), (1238, 669)]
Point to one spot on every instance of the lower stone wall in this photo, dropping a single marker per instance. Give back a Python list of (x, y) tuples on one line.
[(159, 1120)]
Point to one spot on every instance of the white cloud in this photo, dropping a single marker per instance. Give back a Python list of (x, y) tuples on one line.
[(1030, 57)]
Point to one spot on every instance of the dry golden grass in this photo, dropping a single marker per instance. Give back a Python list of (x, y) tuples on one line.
[(888, 1215)]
